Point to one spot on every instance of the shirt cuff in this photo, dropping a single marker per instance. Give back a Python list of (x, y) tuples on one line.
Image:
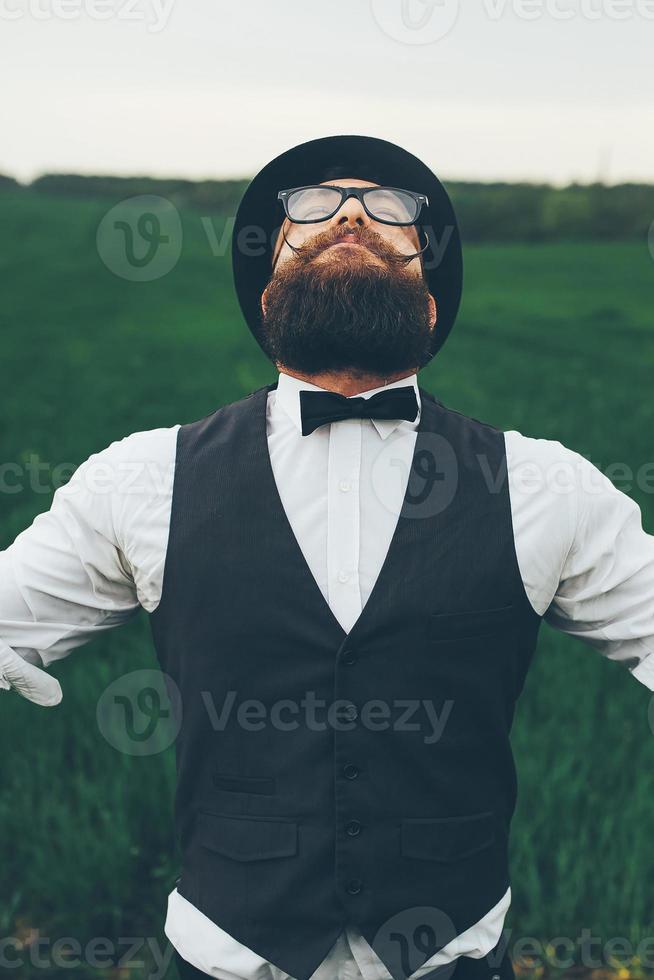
[(644, 671)]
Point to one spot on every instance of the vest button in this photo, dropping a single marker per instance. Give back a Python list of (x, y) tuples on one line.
[(349, 657), (351, 712), (354, 886), (350, 771), (353, 828)]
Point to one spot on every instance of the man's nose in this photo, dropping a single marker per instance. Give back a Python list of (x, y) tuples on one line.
[(351, 213)]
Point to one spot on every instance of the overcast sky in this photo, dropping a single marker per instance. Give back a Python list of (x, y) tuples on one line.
[(555, 90)]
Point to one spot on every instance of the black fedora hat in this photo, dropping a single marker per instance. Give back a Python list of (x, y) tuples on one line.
[(260, 215)]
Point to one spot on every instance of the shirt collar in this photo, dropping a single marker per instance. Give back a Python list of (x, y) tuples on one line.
[(288, 399)]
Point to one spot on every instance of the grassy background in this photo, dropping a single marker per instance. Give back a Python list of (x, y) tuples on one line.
[(554, 340)]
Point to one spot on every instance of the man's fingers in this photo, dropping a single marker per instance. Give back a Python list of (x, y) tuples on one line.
[(32, 682)]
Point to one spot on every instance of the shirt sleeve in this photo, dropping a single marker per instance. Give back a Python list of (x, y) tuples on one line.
[(605, 593), (89, 562)]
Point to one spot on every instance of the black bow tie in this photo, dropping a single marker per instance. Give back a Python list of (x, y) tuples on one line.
[(321, 407)]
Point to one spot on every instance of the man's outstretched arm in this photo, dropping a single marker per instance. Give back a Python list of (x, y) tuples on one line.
[(87, 564), (605, 595)]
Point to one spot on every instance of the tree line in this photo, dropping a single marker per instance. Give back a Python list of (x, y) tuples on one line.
[(487, 212)]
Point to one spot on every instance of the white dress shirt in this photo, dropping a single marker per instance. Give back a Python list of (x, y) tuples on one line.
[(97, 556)]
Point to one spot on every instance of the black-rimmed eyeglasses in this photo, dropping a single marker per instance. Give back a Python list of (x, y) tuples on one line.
[(319, 202)]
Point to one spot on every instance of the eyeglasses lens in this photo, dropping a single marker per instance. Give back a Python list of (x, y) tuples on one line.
[(320, 203)]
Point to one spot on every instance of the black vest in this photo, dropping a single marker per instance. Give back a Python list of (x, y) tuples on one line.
[(328, 795)]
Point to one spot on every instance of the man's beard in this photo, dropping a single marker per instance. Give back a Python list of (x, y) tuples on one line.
[(346, 313)]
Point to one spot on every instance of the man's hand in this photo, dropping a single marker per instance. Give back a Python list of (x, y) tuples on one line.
[(32, 682)]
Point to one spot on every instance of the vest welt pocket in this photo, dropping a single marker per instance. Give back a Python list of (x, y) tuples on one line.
[(244, 784), (447, 838), (474, 622), (246, 838)]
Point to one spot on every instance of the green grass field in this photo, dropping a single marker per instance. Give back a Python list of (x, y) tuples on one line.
[(556, 341)]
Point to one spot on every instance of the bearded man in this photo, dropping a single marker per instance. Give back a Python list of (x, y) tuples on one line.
[(354, 575)]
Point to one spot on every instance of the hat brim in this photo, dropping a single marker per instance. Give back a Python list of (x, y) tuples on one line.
[(260, 216)]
